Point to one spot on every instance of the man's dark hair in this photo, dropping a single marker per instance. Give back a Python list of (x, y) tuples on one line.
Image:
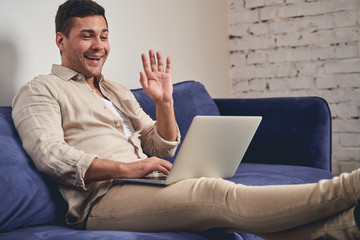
[(75, 8)]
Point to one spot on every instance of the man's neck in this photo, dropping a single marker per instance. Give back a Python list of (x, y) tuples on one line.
[(94, 84)]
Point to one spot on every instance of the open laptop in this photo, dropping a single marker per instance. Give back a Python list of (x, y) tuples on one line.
[(213, 147)]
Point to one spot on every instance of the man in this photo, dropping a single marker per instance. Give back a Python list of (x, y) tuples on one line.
[(84, 47), (83, 130)]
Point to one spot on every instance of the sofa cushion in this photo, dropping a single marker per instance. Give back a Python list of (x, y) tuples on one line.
[(53, 232), (24, 195), (258, 174), (190, 99)]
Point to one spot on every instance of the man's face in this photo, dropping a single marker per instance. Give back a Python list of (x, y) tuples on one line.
[(87, 47)]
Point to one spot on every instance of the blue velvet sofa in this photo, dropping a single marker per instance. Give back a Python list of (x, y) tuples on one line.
[(291, 146)]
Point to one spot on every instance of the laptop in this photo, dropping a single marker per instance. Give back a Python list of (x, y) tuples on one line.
[(213, 147)]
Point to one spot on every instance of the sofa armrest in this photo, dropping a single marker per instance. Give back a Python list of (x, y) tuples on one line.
[(294, 130)]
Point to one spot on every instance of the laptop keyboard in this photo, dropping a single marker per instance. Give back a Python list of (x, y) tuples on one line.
[(156, 176)]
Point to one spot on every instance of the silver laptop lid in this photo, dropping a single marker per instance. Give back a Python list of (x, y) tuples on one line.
[(214, 147)]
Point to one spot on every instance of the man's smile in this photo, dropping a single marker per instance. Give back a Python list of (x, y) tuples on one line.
[(93, 58)]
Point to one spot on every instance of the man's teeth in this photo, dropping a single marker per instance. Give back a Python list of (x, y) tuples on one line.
[(93, 58)]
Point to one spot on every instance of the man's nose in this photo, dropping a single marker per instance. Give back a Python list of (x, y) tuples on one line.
[(97, 43)]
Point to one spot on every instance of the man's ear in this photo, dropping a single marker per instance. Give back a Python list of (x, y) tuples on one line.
[(60, 37)]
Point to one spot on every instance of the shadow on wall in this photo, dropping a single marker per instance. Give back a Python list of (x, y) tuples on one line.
[(8, 66)]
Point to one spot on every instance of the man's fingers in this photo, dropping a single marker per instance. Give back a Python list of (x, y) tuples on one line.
[(168, 65), (167, 165), (152, 60), (164, 168), (161, 165), (153, 67), (145, 63), (160, 62), (143, 80)]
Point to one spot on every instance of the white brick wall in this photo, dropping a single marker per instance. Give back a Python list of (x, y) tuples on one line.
[(302, 48)]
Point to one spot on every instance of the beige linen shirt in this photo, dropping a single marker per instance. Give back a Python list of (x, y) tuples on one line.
[(64, 125)]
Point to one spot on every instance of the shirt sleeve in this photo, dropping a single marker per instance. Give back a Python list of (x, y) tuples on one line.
[(158, 146), (37, 118)]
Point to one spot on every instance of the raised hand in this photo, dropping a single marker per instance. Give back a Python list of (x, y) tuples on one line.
[(156, 82)]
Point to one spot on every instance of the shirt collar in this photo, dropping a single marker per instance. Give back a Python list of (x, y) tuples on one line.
[(67, 73), (64, 72)]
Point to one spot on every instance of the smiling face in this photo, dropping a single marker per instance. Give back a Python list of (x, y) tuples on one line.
[(86, 48)]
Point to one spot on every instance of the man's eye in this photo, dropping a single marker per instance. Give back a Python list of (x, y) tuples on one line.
[(104, 37), (86, 36)]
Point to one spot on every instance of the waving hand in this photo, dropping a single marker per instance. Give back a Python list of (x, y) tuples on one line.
[(156, 81)]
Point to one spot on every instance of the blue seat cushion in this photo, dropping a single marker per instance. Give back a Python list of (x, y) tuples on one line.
[(47, 232), (259, 174)]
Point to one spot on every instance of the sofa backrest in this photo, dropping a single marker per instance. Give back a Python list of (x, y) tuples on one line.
[(25, 197), (190, 99), (294, 130)]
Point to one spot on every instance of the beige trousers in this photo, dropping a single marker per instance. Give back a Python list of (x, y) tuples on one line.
[(205, 203)]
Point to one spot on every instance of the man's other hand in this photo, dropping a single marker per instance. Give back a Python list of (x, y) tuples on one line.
[(142, 168)]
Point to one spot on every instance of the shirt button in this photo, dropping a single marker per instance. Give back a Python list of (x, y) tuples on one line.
[(79, 77), (118, 124)]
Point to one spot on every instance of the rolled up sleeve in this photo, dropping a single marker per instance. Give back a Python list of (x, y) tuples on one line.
[(152, 142), (165, 148)]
